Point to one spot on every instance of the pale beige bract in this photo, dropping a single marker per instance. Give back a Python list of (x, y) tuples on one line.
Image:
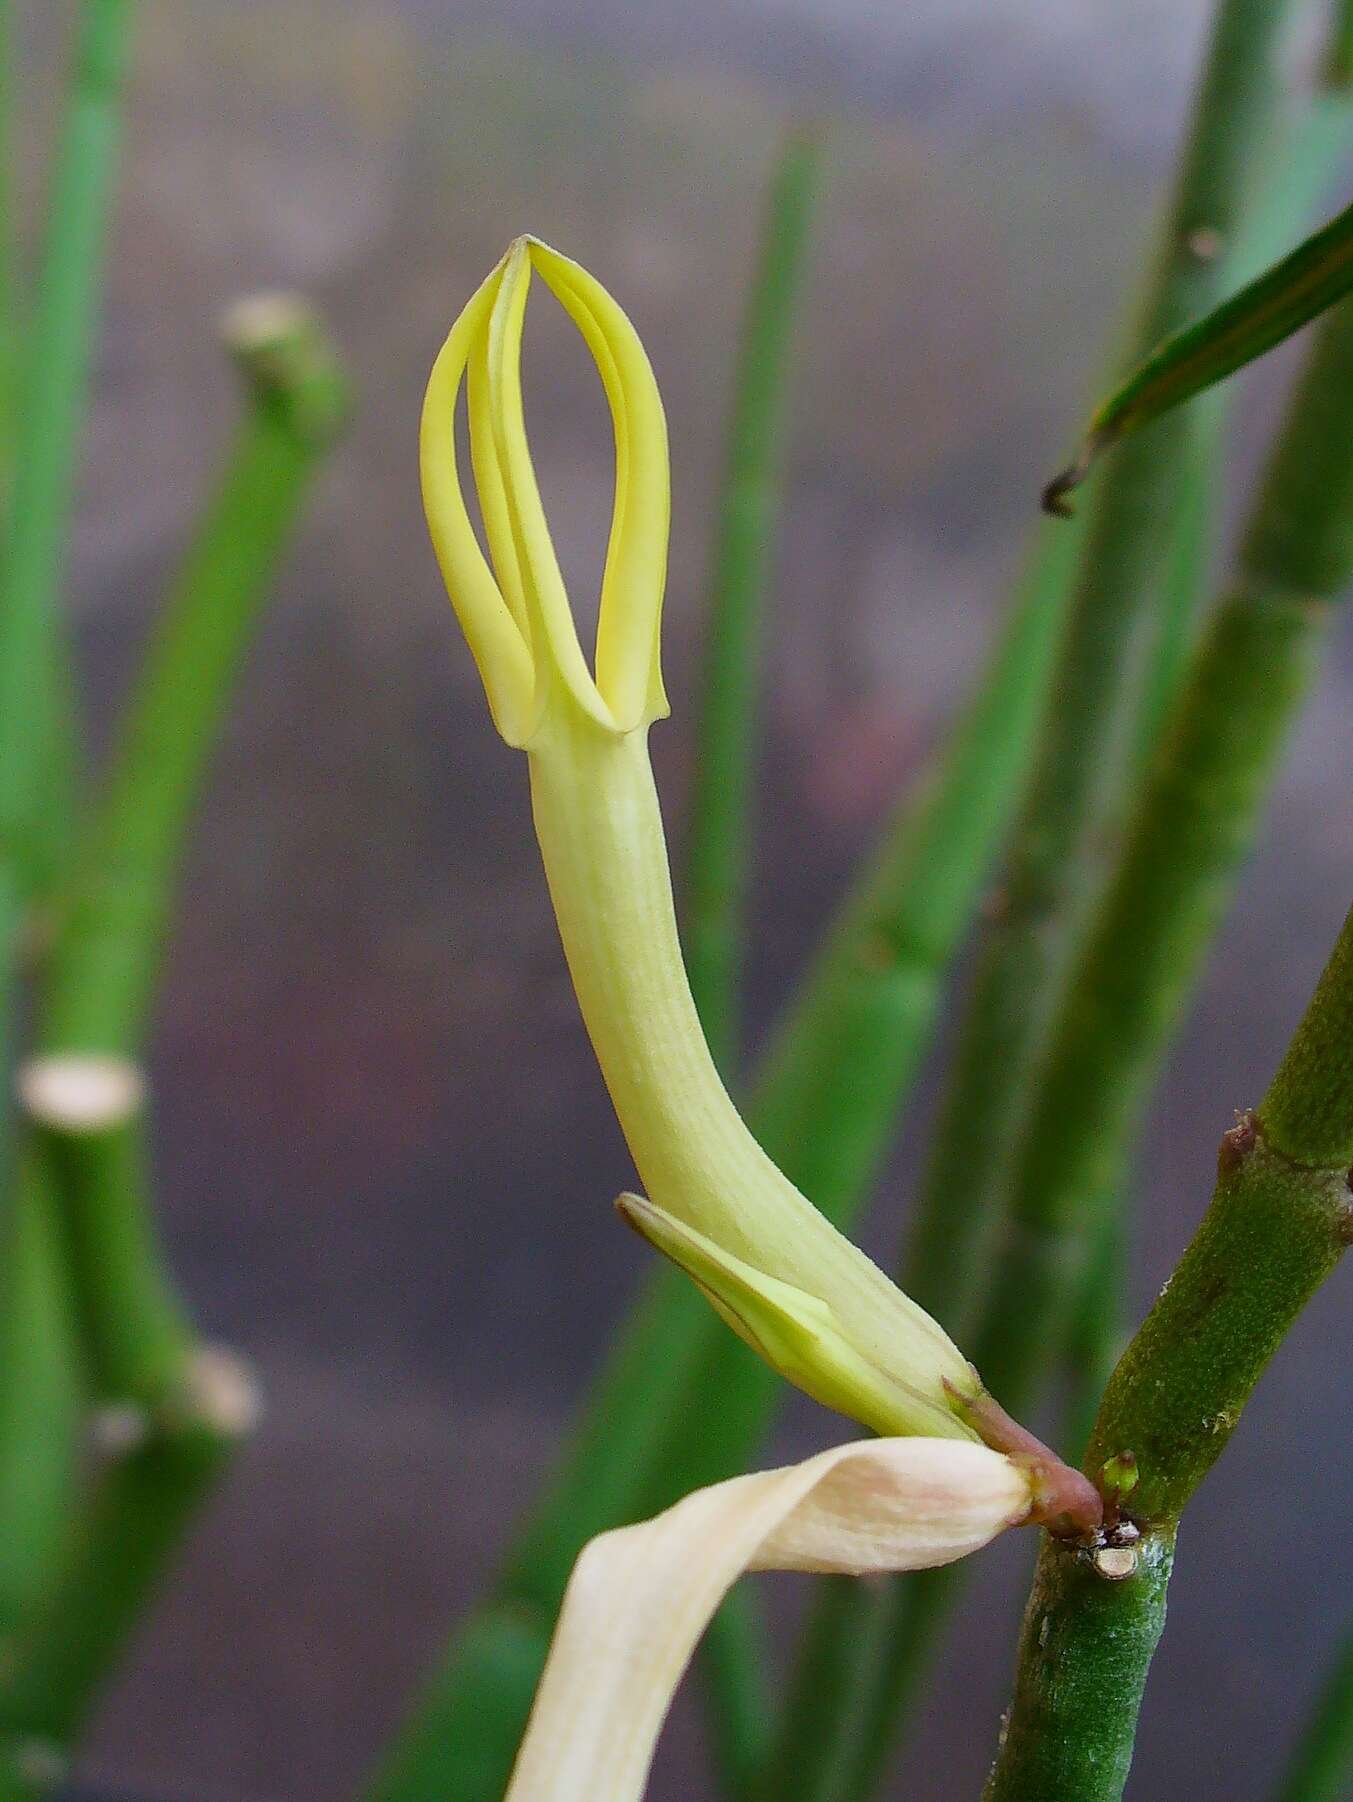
[(640, 1598)]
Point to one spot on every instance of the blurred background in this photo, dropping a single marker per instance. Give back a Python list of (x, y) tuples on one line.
[(385, 1155)]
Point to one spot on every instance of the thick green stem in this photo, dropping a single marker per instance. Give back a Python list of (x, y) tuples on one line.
[(1281, 1218), (1321, 1767), (1098, 1326), (718, 852), (9, 340), (39, 424), (735, 1668), (1084, 1654), (111, 919)]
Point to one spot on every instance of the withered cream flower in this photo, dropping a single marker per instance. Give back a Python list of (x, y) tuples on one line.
[(640, 1597)]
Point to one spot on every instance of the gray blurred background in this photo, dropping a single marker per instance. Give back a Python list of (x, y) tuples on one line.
[(384, 1151)]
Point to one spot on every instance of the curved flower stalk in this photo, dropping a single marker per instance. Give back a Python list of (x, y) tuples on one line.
[(799, 1292), (640, 1597)]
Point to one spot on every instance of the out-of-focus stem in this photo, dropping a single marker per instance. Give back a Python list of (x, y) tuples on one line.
[(186, 1405), (1338, 69), (719, 842), (36, 730), (143, 1503), (40, 1405), (110, 920), (1321, 1765), (110, 917), (9, 346), (1082, 762), (39, 424), (1195, 820), (720, 832), (1063, 831)]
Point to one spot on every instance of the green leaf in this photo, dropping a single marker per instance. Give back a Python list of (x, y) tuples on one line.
[(1317, 275)]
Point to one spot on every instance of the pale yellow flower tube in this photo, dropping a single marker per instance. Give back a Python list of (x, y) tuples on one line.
[(600, 828), (798, 1291), (640, 1598)]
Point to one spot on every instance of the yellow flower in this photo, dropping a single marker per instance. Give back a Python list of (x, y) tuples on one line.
[(810, 1301)]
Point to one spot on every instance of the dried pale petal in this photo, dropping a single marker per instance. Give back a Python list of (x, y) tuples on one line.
[(639, 1598)]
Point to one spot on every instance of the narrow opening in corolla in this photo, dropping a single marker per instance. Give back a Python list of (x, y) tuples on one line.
[(573, 448)]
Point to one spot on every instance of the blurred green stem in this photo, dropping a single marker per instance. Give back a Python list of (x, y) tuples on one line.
[(1101, 716), (110, 919), (187, 1405), (39, 424), (1338, 67), (1097, 1328), (1279, 1222), (1195, 820), (9, 299), (40, 1405), (143, 1502), (36, 724), (1080, 773), (720, 829), (1321, 1766)]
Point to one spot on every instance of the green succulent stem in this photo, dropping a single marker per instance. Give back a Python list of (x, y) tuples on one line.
[(9, 337), (1084, 1653), (1080, 774), (1281, 1218), (109, 921)]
